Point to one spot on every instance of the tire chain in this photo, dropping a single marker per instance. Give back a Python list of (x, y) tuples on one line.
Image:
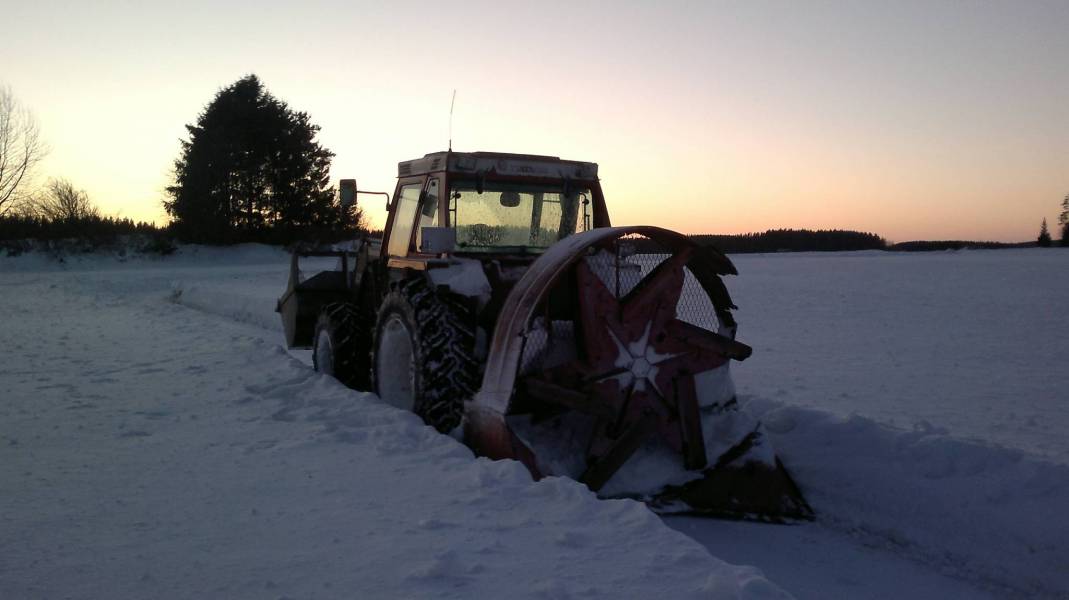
[(450, 372), (348, 330)]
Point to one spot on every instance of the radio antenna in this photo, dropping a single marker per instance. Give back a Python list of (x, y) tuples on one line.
[(451, 103)]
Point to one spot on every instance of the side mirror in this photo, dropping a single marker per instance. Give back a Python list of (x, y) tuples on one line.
[(510, 199), (347, 188)]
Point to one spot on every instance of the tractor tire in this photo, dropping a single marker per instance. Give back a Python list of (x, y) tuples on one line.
[(341, 346), (423, 355)]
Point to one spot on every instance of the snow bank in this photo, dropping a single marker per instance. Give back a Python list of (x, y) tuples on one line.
[(153, 451), (247, 290), (483, 527), (975, 511), (185, 256), (241, 300)]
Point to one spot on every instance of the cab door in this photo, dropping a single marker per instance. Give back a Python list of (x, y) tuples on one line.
[(403, 216), (428, 209)]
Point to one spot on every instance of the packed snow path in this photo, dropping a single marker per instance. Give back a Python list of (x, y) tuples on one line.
[(150, 450)]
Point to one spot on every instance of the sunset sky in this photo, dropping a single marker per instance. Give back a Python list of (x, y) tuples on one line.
[(914, 120)]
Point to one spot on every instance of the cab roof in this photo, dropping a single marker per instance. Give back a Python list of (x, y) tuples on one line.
[(502, 163)]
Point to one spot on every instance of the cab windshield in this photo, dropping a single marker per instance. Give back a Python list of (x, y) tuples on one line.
[(516, 217)]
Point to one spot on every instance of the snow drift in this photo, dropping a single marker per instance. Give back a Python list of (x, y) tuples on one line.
[(973, 510)]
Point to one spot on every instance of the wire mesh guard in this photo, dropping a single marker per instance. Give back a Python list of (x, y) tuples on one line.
[(634, 399), (550, 342), (563, 441)]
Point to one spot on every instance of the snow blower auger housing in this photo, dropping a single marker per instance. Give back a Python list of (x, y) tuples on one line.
[(502, 305)]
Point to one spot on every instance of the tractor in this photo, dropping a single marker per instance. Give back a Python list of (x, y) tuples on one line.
[(502, 307)]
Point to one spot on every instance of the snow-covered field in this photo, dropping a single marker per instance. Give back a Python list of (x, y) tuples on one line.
[(156, 441)]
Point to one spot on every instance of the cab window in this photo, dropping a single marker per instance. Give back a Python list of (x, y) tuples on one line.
[(404, 215), (520, 217), (428, 210)]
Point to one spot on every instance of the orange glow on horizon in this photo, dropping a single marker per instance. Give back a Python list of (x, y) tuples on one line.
[(702, 118)]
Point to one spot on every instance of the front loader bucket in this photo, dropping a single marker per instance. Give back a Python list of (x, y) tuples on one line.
[(305, 297)]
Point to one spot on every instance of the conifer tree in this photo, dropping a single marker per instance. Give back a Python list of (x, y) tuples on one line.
[(251, 170), (1063, 220), (1044, 235)]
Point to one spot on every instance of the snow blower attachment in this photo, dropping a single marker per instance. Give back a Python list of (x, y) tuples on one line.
[(611, 367), (501, 299)]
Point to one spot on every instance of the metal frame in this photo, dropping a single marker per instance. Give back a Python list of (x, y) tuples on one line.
[(486, 429)]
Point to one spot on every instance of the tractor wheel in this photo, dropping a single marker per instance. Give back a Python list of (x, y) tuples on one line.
[(341, 345), (423, 354)]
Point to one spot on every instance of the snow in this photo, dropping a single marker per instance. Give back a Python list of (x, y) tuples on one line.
[(978, 511), (561, 446), (153, 450), (971, 341), (464, 276), (656, 465), (156, 441)]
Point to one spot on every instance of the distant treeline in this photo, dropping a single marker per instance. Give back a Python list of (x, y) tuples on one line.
[(98, 232), (794, 240), (954, 245), (19, 233), (89, 228), (92, 232)]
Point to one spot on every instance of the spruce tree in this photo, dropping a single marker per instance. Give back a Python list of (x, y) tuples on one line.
[(1044, 235), (1063, 220), (251, 170)]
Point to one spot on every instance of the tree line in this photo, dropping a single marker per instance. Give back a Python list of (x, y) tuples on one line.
[(60, 211), (794, 240), (93, 232), (937, 245), (251, 170), (1044, 240)]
